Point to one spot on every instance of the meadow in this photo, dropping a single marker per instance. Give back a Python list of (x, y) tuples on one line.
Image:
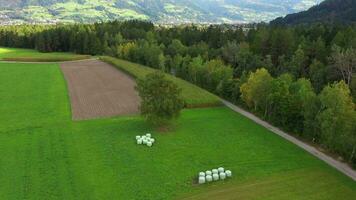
[(193, 95), (46, 155), (30, 55)]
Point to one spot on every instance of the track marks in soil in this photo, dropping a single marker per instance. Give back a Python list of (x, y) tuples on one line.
[(98, 90)]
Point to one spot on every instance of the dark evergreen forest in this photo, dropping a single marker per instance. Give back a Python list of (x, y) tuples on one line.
[(328, 11)]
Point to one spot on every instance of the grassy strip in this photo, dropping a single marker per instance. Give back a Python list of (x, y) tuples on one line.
[(39, 96), (47, 59), (31, 55), (193, 95)]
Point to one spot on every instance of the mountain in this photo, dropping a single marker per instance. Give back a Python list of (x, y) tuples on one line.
[(159, 11), (330, 11)]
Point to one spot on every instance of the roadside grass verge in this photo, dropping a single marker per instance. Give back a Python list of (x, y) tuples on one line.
[(30, 55), (193, 95)]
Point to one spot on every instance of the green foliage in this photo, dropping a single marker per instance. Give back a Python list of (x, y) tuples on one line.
[(192, 95), (175, 48), (302, 93), (241, 57), (255, 91), (327, 119), (317, 74), (279, 100), (143, 52), (311, 126), (338, 119), (298, 63), (161, 99)]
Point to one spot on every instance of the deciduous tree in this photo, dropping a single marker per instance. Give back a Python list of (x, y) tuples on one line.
[(161, 99), (344, 61), (256, 90)]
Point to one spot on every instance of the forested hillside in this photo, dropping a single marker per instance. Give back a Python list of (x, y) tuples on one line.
[(160, 11), (329, 11), (299, 78)]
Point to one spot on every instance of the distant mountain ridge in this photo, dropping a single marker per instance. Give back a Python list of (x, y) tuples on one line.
[(329, 11), (160, 11)]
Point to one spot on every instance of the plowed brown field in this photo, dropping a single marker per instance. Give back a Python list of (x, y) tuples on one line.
[(97, 89)]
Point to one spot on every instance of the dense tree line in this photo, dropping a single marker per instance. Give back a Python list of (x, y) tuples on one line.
[(300, 78)]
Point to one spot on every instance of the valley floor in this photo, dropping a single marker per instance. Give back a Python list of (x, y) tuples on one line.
[(46, 155)]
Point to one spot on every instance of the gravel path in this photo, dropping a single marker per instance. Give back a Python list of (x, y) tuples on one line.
[(342, 167), (97, 90)]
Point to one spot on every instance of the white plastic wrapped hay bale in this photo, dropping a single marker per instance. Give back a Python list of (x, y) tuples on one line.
[(148, 135), (208, 173), (138, 137), (201, 174), (139, 141), (215, 177), (144, 141), (153, 140), (149, 143), (201, 180), (222, 176), (228, 173), (209, 178), (215, 171), (221, 169)]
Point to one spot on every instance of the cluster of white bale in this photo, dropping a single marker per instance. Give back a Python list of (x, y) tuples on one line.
[(145, 140), (214, 175)]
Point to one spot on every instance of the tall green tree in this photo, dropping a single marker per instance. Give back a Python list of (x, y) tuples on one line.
[(161, 99), (278, 100), (338, 119), (317, 74), (298, 64), (301, 93), (175, 48)]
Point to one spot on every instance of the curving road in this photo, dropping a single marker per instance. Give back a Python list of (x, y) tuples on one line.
[(342, 167)]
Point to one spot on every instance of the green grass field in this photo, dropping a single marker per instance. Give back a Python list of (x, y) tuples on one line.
[(30, 55), (45, 155), (193, 95)]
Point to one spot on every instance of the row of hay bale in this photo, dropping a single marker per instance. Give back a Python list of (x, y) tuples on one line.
[(146, 139), (214, 175)]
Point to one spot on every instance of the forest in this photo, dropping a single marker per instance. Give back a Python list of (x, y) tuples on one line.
[(299, 78), (328, 11)]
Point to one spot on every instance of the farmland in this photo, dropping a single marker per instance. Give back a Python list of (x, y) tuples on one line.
[(46, 155), (15, 54), (98, 90)]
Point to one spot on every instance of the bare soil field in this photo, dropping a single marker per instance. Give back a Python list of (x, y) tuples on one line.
[(97, 89)]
